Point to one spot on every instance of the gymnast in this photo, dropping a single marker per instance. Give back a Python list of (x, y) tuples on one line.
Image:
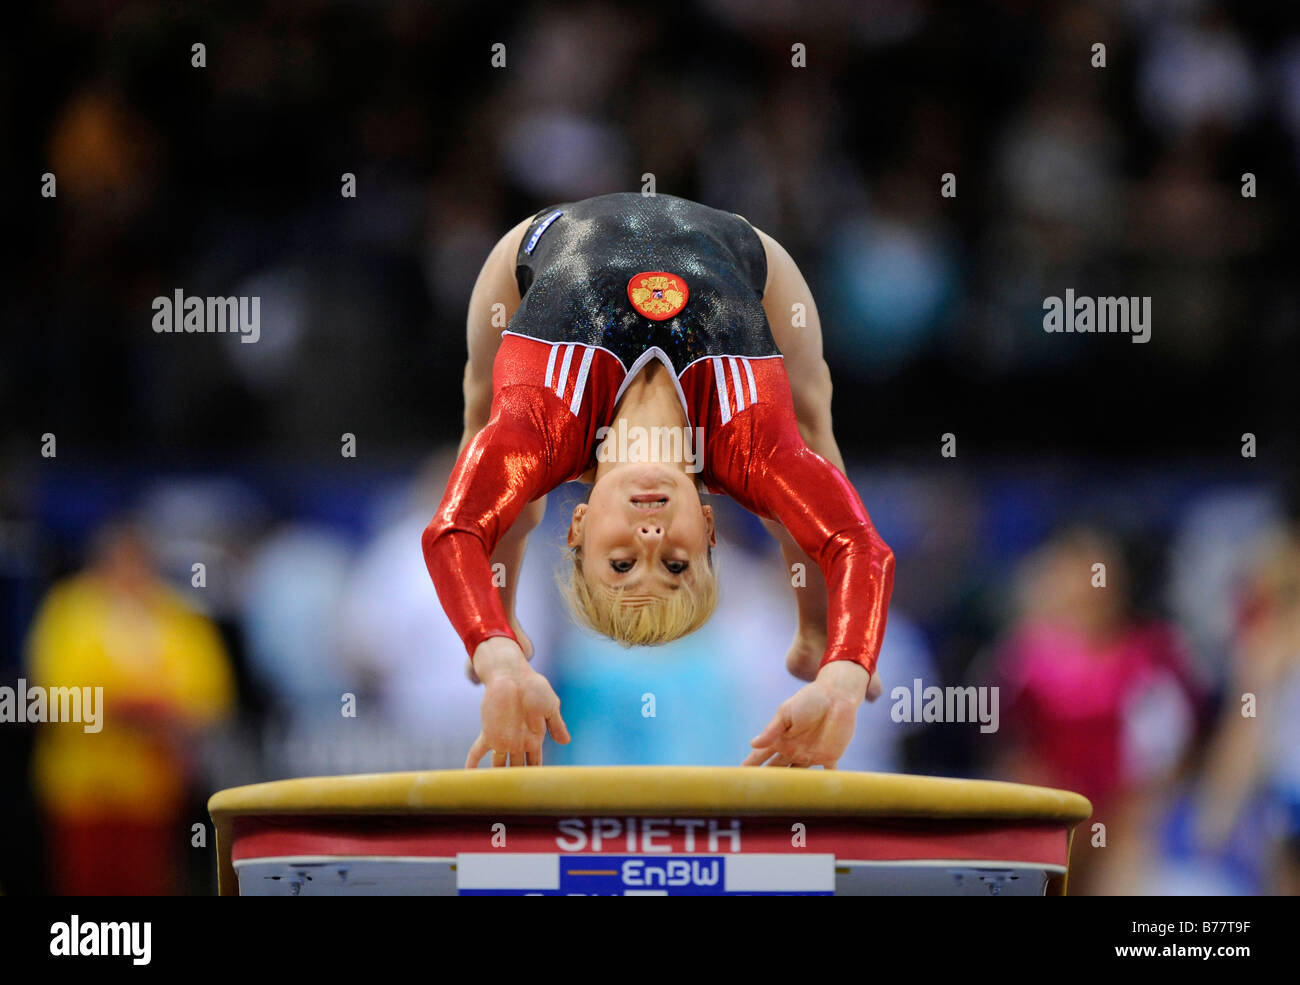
[(656, 316)]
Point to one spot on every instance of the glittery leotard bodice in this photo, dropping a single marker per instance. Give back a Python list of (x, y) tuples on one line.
[(576, 259)]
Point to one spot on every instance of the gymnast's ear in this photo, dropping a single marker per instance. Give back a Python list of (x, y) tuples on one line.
[(708, 520), (575, 525)]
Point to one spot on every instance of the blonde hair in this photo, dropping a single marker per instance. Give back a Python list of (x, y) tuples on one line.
[(659, 620)]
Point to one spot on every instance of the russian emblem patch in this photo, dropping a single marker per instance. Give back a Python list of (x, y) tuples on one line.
[(657, 295)]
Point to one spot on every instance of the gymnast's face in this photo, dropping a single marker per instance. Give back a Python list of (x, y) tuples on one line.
[(643, 530)]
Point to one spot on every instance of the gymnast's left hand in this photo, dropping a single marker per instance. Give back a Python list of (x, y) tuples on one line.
[(813, 728), (519, 707)]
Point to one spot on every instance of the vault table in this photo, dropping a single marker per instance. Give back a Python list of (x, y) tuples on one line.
[(653, 830)]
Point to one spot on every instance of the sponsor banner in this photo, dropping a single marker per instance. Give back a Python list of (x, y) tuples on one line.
[(554, 874)]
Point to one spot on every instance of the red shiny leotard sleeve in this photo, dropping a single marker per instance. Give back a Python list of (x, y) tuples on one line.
[(540, 435), (757, 457)]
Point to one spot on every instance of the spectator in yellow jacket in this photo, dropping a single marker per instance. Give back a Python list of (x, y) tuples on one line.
[(114, 798)]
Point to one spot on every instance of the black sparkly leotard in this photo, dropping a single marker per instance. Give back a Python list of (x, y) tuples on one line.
[(576, 259)]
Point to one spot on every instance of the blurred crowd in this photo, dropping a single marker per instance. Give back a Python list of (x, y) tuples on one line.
[(257, 607)]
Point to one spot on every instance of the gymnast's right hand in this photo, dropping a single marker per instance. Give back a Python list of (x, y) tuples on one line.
[(519, 707)]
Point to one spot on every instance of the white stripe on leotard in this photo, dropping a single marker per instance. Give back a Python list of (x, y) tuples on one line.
[(724, 401), (740, 387), (564, 370), (550, 366), (582, 379)]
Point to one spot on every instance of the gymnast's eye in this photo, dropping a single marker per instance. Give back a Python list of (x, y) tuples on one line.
[(677, 567), (622, 567)]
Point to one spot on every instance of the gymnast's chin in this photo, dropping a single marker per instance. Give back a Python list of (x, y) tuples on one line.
[(641, 553)]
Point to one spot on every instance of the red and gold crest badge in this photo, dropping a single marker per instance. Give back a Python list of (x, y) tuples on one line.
[(657, 295)]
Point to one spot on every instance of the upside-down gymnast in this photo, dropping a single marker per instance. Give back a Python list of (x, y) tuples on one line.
[(659, 316)]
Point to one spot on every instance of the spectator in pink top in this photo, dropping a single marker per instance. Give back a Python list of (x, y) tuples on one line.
[(1095, 699)]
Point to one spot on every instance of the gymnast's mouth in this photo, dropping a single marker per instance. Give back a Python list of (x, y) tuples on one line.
[(649, 502)]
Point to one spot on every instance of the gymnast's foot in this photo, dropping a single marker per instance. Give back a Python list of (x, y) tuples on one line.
[(806, 652)]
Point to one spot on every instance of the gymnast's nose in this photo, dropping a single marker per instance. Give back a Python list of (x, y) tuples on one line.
[(649, 531)]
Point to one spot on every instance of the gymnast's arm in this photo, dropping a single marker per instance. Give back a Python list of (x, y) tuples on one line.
[(819, 507), (800, 342), (488, 509), (508, 464), (496, 284), (762, 461)]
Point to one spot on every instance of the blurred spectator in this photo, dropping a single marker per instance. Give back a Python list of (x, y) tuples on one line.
[(892, 279), (115, 798), (1198, 73), (1210, 555), (398, 645), (1095, 699), (1251, 781), (291, 589)]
